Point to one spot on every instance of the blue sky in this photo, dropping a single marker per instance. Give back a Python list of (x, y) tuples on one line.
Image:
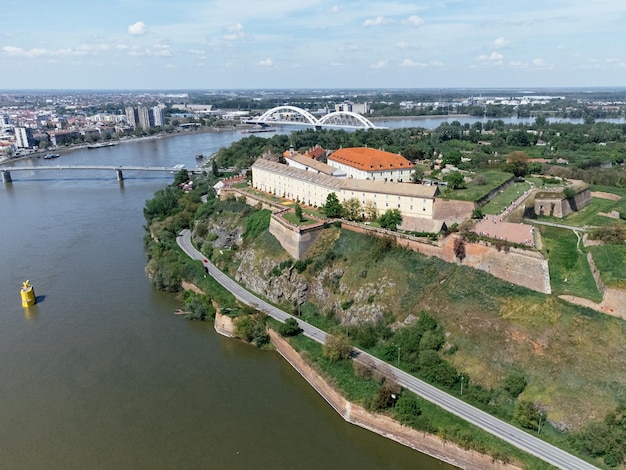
[(213, 44)]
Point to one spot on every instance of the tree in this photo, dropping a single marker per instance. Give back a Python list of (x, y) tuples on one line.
[(371, 212), (337, 347), (352, 209), (527, 414), (214, 168), (514, 384), (289, 328), (455, 180), (517, 163), (418, 174), (478, 214), (332, 208), (391, 219), (298, 210)]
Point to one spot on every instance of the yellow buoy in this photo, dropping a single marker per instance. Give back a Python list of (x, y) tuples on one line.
[(28, 294)]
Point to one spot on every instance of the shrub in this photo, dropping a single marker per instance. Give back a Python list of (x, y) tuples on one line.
[(289, 328), (337, 348)]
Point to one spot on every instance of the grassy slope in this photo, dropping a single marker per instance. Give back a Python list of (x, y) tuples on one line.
[(569, 353), (569, 270), (504, 199)]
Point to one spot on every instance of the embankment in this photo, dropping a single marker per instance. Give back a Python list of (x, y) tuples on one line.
[(381, 424)]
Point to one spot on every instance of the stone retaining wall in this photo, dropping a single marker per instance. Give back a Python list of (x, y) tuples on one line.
[(381, 424), (522, 267)]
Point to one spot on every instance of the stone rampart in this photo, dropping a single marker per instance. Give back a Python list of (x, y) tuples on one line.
[(525, 268), (294, 241)]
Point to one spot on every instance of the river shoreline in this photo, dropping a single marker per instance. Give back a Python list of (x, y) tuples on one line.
[(352, 413)]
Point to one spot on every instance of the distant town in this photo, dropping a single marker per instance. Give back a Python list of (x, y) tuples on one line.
[(32, 121)]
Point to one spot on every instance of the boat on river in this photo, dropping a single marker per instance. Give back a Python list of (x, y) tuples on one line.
[(98, 146), (261, 129)]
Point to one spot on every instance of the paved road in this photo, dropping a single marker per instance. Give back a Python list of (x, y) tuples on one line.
[(523, 440)]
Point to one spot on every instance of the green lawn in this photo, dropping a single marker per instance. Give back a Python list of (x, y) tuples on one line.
[(611, 262), (291, 217), (475, 191), (504, 199), (569, 270)]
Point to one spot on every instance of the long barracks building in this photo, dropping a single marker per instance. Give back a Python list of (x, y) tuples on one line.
[(415, 201)]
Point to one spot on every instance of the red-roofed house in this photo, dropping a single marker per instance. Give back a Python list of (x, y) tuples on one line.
[(370, 164)]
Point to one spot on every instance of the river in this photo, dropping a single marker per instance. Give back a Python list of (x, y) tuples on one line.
[(101, 374)]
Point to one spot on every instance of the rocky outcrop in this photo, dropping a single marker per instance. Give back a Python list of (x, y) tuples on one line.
[(256, 274)]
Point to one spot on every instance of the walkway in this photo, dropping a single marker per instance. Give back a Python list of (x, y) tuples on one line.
[(507, 432)]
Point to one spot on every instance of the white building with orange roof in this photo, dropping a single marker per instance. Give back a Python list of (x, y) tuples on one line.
[(370, 164)]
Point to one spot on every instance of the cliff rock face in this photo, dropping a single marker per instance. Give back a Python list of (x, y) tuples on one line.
[(325, 289), (255, 273)]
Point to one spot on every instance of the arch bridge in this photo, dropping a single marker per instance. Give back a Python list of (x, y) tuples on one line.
[(294, 116)]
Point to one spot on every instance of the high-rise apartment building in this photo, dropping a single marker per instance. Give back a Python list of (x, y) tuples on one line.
[(144, 117), (23, 137), (132, 118), (159, 116)]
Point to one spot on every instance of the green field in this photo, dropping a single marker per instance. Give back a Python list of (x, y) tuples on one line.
[(475, 191), (611, 262), (569, 270), (504, 199)]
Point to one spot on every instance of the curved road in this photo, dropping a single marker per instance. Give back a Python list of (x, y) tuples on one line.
[(521, 439)]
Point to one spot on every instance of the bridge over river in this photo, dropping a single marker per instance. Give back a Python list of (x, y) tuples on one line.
[(294, 116), (119, 169)]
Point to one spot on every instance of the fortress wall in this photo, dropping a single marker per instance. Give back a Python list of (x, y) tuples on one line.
[(522, 267), (293, 241)]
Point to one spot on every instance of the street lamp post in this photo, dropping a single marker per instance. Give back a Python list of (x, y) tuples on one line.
[(462, 377), (398, 356)]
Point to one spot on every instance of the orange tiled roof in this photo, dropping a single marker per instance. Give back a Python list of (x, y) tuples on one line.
[(369, 159)]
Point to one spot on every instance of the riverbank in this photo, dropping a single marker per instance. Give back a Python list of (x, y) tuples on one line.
[(62, 150), (380, 424)]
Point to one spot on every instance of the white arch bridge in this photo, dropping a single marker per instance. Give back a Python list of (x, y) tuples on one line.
[(294, 116)]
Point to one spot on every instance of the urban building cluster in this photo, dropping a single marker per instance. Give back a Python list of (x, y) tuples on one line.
[(32, 122)]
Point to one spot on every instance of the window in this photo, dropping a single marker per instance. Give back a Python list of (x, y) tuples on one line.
[(398, 206)]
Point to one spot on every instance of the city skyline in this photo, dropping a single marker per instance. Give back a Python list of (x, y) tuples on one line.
[(193, 44)]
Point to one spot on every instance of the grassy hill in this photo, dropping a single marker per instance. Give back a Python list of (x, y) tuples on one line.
[(491, 327)]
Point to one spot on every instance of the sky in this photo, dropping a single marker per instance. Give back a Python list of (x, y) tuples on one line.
[(318, 44)]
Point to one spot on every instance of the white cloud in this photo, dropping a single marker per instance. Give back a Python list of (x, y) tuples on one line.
[(421, 65), (494, 57), (235, 27), (378, 21), (500, 43), (414, 20), (40, 52), (266, 62), (540, 63), (162, 50), (518, 64), (335, 9), (137, 29), (381, 64)]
